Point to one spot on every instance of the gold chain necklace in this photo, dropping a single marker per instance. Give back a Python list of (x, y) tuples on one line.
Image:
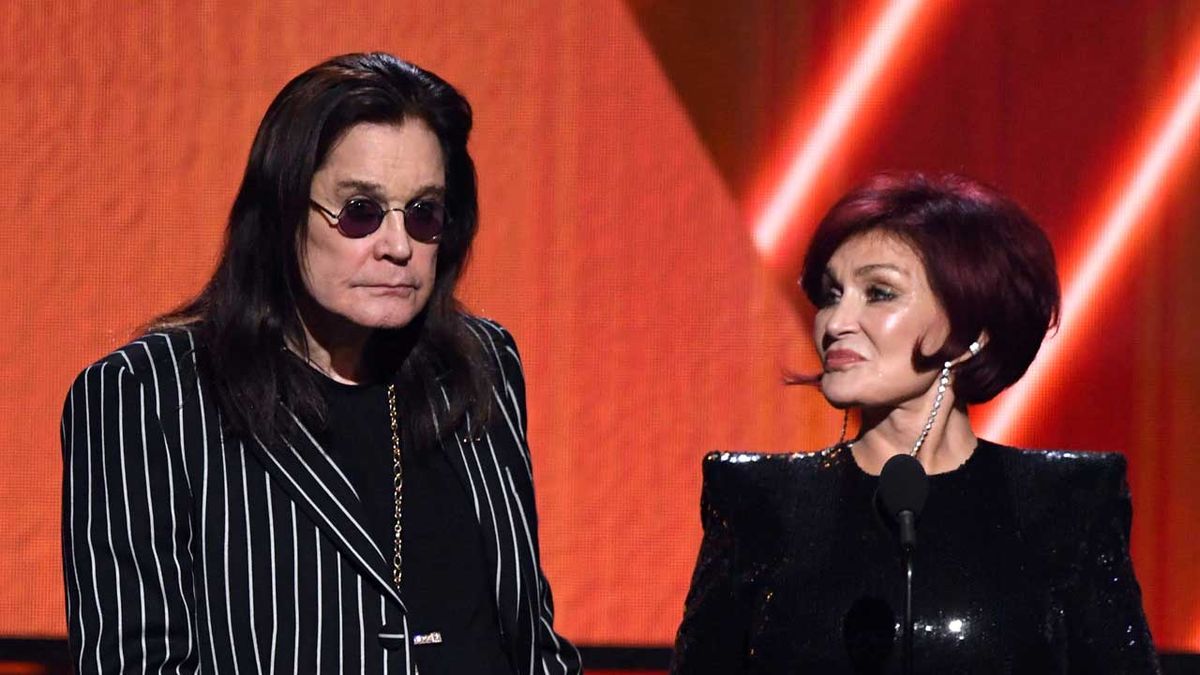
[(433, 637), (397, 485)]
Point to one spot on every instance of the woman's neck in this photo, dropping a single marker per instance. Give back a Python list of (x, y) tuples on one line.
[(889, 432)]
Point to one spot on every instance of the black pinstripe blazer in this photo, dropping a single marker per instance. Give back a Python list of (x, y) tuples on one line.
[(188, 550)]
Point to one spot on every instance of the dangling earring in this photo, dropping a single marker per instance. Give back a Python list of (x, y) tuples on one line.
[(943, 382), (845, 423)]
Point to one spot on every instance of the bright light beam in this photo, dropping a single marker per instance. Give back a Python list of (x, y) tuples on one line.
[(876, 52), (1170, 145)]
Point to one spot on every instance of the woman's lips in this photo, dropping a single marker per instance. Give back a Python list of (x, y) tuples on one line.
[(836, 359)]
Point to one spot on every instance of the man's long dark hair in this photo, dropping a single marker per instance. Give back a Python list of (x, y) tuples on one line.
[(246, 315)]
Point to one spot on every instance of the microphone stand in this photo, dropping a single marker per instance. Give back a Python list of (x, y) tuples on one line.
[(907, 648), (903, 487), (908, 541)]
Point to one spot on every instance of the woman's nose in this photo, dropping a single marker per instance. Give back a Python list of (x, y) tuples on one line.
[(843, 317)]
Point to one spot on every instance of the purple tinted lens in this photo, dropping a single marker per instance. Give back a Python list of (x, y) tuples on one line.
[(360, 218), (424, 220)]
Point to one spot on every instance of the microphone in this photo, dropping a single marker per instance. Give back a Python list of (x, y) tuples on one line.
[(903, 488)]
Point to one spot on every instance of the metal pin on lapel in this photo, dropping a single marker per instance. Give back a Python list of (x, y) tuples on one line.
[(434, 638)]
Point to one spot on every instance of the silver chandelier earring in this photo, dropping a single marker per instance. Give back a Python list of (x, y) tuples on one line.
[(943, 382), (845, 423)]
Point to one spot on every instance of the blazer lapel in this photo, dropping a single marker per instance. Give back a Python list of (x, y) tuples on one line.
[(308, 474)]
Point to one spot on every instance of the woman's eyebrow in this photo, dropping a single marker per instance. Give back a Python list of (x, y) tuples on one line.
[(876, 267)]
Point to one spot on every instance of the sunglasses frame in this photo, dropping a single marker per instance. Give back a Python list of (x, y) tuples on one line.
[(337, 217)]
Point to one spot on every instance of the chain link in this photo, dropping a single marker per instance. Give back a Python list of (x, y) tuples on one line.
[(397, 485), (943, 384)]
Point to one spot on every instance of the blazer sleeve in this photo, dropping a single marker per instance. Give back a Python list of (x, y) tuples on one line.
[(557, 656), (711, 637), (125, 530), (1106, 627)]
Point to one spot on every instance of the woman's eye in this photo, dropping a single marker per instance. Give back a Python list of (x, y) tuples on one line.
[(880, 294), (829, 296)]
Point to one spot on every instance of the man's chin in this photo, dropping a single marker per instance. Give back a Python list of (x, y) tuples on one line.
[(390, 320)]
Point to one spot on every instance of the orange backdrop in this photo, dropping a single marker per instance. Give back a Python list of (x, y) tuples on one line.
[(620, 146)]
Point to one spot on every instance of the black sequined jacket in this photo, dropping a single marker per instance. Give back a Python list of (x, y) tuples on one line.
[(1022, 566)]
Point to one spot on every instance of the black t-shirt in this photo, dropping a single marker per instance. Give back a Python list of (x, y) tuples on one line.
[(444, 580)]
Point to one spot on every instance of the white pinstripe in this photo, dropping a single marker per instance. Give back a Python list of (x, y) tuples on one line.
[(88, 527), (225, 547), (295, 652), (249, 560), (320, 599), (205, 566), (183, 596), (274, 574), (137, 567), (108, 527)]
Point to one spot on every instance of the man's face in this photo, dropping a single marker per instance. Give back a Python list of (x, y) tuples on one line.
[(382, 280)]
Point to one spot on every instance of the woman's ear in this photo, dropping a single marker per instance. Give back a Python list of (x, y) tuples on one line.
[(974, 348)]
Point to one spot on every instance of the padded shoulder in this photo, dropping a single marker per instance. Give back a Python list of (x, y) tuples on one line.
[(764, 493), (760, 471), (497, 342), (155, 355), (1061, 495), (1073, 479)]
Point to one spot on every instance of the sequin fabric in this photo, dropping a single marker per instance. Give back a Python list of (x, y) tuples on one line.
[(1022, 566)]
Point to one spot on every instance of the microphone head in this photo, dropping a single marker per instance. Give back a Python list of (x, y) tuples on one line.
[(903, 486)]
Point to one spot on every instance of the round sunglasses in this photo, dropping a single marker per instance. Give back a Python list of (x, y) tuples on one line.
[(423, 218)]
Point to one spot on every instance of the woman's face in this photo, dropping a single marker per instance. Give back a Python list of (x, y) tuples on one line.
[(382, 280), (876, 306)]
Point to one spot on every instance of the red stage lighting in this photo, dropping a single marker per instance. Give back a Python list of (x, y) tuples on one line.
[(1160, 156), (780, 225)]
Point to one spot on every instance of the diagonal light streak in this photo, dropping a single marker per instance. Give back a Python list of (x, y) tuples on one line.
[(876, 53), (1172, 143)]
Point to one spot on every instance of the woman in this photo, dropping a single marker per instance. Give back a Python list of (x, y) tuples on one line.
[(319, 464), (932, 293)]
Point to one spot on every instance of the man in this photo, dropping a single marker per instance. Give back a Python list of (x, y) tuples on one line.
[(319, 464)]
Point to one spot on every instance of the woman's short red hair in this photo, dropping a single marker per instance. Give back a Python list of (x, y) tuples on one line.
[(989, 264)]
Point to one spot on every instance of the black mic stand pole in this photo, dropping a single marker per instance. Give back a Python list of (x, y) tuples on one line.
[(908, 541), (903, 487)]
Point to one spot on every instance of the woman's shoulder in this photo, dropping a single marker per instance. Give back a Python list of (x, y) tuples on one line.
[(741, 462), (762, 498), (1060, 484), (770, 475), (1078, 467)]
